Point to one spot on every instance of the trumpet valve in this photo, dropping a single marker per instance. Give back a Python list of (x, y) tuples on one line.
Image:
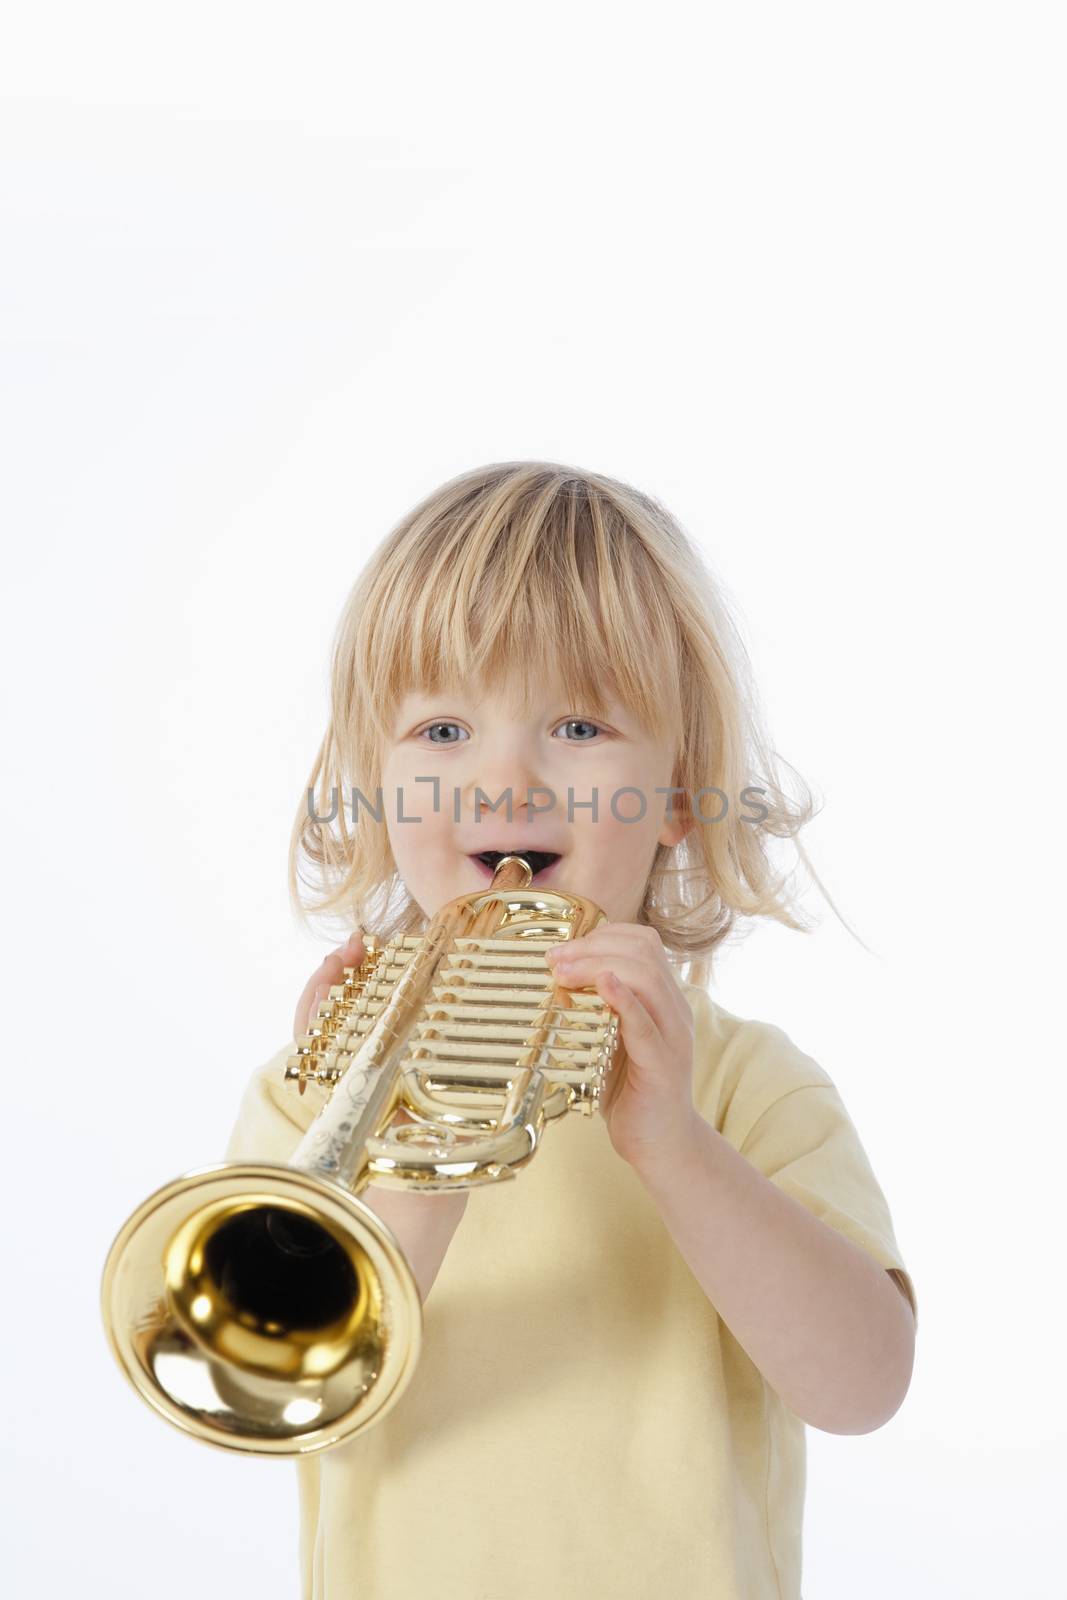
[(307, 1066)]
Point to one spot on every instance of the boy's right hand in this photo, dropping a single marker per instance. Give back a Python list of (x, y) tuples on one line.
[(322, 980), (423, 1223)]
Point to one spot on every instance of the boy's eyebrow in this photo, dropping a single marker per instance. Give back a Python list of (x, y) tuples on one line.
[(415, 705), (421, 703)]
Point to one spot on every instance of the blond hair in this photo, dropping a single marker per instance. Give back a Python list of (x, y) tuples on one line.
[(523, 569)]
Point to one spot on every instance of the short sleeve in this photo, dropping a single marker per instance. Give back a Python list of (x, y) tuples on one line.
[(806, 1143), (781, 1110), (273, 1115)]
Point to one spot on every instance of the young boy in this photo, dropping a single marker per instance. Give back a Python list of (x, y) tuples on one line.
[(621, 1347)]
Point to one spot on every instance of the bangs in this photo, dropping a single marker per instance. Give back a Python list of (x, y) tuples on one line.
[(528, 578), (555, 588)]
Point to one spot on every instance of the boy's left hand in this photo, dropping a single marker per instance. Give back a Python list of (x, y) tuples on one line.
[(651, 1112)]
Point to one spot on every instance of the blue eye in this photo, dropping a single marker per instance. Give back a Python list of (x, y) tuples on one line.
[(433, 726), (579, 722)]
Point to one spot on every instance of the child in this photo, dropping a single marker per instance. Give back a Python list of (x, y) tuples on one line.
[(623, 1345)]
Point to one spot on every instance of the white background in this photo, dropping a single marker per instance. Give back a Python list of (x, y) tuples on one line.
[(270, 274)]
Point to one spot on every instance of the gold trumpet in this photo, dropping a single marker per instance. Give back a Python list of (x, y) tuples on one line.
[(264, 1307)]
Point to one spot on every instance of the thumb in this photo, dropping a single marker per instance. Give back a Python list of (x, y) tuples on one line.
[(322, 992), (318, 986)]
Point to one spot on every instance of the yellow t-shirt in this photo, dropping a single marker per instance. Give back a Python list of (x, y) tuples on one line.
[(581, 1422)]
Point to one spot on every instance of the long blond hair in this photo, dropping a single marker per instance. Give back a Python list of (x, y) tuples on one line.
[(520, 569)]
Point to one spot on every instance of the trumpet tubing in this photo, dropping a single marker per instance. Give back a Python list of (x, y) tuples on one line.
[(264, 1307)]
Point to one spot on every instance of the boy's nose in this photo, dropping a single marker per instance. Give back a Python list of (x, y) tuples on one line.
[(488, 791)]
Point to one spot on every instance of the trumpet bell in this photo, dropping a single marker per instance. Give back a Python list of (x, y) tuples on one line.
[(266, 1308), (262, 1309)]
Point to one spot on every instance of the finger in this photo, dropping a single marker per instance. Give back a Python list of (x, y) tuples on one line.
[(612, 936), (349, 954), (307, 997), (639, 1030), (657, 991), (614, 941), (330, 971), (322, 992)]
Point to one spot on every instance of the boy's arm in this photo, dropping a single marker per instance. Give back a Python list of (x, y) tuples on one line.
[(830, 1330)]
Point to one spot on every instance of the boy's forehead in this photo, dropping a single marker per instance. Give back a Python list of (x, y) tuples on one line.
[(515, 692)]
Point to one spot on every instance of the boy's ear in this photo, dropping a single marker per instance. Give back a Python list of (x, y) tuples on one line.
[(677, 825)]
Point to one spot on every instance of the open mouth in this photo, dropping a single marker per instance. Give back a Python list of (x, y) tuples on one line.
[(540, 861)]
